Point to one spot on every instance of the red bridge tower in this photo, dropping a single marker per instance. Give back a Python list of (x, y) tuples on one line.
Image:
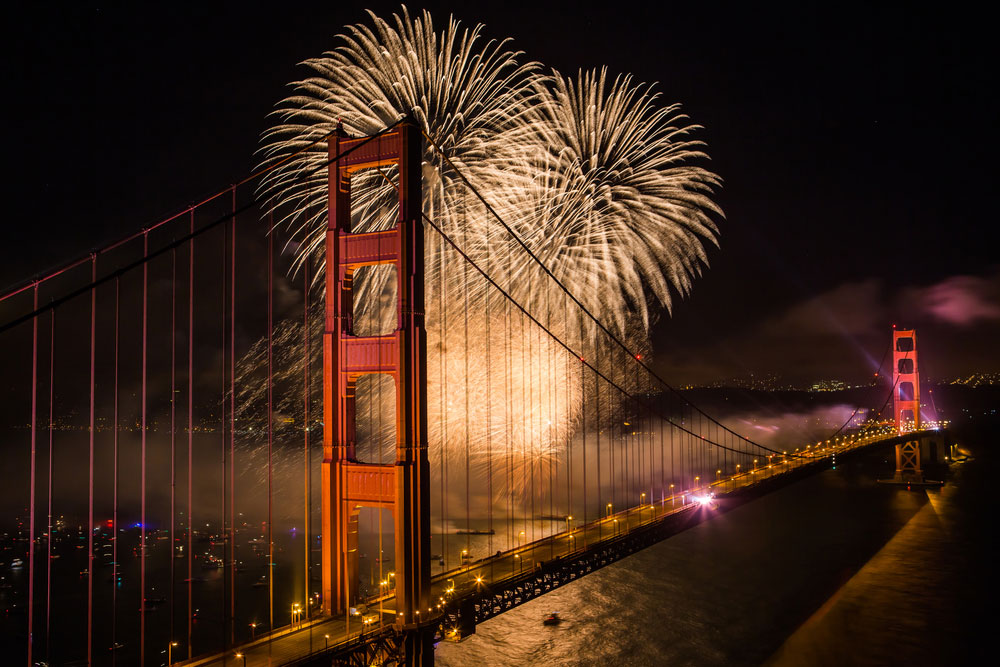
[(347, 483), (906, 403)]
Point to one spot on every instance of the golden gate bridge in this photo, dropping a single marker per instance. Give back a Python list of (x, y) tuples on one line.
[(180, 395)]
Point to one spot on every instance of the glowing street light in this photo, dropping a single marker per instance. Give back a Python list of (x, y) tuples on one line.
[(672, 499), (253, 631), (170, 653), (244, 656), (609, 509), (326, 641)]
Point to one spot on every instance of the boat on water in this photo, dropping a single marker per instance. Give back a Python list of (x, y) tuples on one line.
[(552, 619)]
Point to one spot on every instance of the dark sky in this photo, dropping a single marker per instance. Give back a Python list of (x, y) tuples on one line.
[(855, 144)]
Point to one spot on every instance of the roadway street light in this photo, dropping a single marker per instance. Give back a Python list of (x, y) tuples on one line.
[(253, 631), (170, 653), (242, 655), (616, 526), (569, 525), (326, 641), (672, 499), (520, 565), (521, 537)]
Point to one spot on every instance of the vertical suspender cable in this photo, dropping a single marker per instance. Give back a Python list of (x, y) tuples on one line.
[(568, 370), (173, 431), (31, 500), (673, 468), (468, 425), (114, 500), (611, 435), (525, 424), (441, 397), (307, 468), (224, 518), (270, 408), (508, 369), (583, 444), (142, 525), (489, 415), (597, 429), (552, 394), (90, 465), (190, 434), (232, 428), (662, 466), (444, 406), (48, 565)]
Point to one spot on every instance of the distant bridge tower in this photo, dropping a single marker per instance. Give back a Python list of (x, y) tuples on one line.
[(906, 403), (905, 380), (347, 483)]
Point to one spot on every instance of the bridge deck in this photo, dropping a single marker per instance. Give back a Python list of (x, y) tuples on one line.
[(476, 581)]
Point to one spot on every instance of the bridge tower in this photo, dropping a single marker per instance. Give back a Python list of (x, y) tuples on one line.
[(347, 483), (906, 403), (905, 380)]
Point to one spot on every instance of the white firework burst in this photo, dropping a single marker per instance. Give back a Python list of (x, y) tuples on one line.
[(595, 178)]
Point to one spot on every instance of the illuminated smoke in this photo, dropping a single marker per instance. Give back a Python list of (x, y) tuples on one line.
[(595, 178)]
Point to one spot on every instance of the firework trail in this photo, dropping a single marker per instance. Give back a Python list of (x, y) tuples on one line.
[(600, 182)]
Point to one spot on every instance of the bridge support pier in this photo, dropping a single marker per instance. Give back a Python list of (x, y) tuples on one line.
[(349, 484), (908, 463)]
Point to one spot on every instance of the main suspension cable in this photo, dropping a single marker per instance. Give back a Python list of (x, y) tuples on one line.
[(565, 289)]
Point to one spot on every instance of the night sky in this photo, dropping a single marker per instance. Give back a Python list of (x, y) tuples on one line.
[(855, 145)]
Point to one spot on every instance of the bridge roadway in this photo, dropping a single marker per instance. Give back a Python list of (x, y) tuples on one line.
[(328, 635)]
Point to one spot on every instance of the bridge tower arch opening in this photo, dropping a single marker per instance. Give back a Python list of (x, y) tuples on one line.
[(348, 483)]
